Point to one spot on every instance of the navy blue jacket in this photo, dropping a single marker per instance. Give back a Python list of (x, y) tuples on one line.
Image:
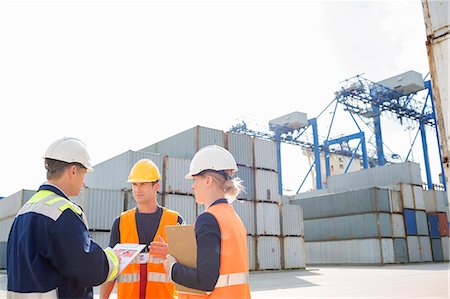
[(50, 251)]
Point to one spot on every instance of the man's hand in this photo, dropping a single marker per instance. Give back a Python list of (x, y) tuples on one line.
[(159, 249)]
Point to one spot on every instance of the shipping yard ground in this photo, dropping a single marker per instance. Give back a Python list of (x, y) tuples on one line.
[(395, 281)]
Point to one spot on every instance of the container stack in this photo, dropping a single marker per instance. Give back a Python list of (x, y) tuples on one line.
[(438, 224)]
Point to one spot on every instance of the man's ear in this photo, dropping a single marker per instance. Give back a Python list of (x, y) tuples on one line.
[(72, 170)]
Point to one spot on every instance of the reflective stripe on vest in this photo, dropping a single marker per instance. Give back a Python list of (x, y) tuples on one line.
[(155, 260), (128, 277), (232, 279), (48, 295), (158, 277)]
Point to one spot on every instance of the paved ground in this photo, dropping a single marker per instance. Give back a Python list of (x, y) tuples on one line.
[(396, 281)]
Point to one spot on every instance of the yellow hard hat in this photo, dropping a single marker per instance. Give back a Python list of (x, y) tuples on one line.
[(144, 171)]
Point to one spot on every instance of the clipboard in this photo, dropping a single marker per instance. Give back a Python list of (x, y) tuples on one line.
[(183, 246)]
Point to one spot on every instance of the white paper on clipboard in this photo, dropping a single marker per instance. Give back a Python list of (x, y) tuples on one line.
[(127, 252)]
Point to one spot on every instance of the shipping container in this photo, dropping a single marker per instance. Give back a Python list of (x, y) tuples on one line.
[(113, 173), (345, 203), (3, 255), (445, 248), (441, 201), (407, 196), (291, 220), (396, 201), (360, 251), (267, 219), (443, 224), (398, 226), (174, 172), (433, 226), (425, 249), (10, 205), (410, 222), (387, 251), (246, 211), (240, 146), (247, 175), (5, 227), (269, 253), (187, 143), (362, 226), (183, 204), (430, 199), (388, 175), (265, 153), (294, 253), (251, 247), (413, 249), (419, 201), (101, 238), (401, 250), (266, 186), (421, 221), (436, 248)]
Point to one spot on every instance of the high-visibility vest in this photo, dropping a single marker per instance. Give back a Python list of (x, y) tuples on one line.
[(233, 280), (159, 284)]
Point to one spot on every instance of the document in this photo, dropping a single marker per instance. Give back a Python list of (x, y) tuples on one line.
[(127, 253), (183, 246)]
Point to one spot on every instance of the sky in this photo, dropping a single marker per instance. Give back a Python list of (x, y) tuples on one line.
[(121, 75)]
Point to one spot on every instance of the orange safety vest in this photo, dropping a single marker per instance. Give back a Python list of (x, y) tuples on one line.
[(233, 280), (159, 284)]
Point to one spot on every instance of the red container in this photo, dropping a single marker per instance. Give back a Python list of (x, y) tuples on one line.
[(443, 224)]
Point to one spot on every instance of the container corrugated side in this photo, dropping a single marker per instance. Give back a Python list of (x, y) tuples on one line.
[(413, 249), (182, 145), (251, 247), (240, 146), (401, 250), (410, 222), (291, 220), (396, 201), (247, 175), (174, 171), (269, 253), (267, 219), (5, 227), (425, 249), (10, 205), (246, 211), (3, 246), (430, 200), (419, 201), (398, 226), (266, 186), (436, 248), (101, 206), (441, 201), (387, 251), (433, 225), (407, 172), (210, 136), (445, 248), (183, 204), (422, 224), (345, 203), (113, 173), (362, 226), (101, 238), (294, 253), (363, 251), (265, 154)]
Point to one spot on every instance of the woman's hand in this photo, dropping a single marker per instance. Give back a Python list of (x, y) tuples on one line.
[(168, 262)]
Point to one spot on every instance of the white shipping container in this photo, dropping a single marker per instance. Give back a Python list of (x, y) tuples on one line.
[(251, 253), (5, 227), (174, 171), (265, 154), (101, 206), (294, 253), (430, 200), (267, 219), (413, 249), (240, 146), (246, 211), (291, 220), (269, 253), (183, 204), (387, 249), (398, 226), (361, 251), (396, 201), (113, 173), (425, 249), (445, 248), (101, 238), (266, 183), (441, 201), (10, 205), (419, 201)]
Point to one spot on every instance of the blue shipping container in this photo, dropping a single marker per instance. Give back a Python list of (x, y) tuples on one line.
[(410, 222), (433, 226), (436, 247)]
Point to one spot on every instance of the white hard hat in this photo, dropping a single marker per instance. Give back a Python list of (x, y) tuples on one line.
[(70, 150), (212, 157)]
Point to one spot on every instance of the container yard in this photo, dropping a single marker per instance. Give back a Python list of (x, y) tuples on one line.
[(371, 224)]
